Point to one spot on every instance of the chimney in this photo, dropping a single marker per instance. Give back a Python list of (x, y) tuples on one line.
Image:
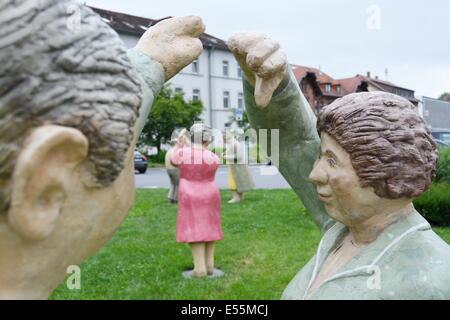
[(376, 77), (368, 74)]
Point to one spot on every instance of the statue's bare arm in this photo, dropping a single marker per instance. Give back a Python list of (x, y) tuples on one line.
[(162, 52), (274, 100)]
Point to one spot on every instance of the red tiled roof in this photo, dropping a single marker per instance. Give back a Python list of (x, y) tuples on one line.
[(388, 84), (348, 85), (301, 71)]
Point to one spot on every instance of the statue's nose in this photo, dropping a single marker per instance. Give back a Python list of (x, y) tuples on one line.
[(318, 175)]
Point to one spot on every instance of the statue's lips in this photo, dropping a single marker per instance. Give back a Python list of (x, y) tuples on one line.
[(324, 197)]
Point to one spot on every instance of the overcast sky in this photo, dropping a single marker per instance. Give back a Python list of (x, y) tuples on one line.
[(411, 38)]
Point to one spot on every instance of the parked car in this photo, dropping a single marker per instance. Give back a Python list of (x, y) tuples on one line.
[(140, 162), (441, 135), (441, 144)]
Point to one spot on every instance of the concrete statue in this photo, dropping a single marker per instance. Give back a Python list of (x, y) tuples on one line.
[(180, 138), (72, 104), (356, 169), (239, 177), (173, 173), (198, 221)]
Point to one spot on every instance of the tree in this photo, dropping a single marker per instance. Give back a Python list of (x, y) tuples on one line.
[(169, 111), (445, 96)]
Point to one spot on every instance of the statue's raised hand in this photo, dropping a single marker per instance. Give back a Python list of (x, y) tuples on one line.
[(173, 43), (262, 62)]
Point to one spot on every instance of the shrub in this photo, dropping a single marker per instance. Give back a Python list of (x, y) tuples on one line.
[(158, 158), (434, 204), (443, 166)]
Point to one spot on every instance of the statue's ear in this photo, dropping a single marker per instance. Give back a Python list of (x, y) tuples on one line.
[(42, 177)]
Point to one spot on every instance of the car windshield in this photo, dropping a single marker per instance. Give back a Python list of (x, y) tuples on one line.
[(445, 136)]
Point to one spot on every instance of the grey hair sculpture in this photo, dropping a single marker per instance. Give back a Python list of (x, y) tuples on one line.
[(52, 74), (201, 133), (72, 103)]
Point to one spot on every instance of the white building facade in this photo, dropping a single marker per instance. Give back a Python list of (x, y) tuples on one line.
[(214, 78)]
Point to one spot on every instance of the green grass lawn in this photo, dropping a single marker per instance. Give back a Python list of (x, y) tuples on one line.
[(267, 239)]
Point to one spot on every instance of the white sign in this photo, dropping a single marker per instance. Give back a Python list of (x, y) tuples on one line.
[(152, 151), (238, 115)]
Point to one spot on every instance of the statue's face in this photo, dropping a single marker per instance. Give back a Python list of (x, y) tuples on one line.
[(338, 185), (58, 220)]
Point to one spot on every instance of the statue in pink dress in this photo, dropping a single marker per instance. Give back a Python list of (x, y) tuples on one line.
[(198, 220)]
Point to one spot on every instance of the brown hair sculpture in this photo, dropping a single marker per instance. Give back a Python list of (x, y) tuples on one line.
[(390, 146)]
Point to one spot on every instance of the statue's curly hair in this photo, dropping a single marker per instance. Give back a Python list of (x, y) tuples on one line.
[(61, 64), (390, 146)]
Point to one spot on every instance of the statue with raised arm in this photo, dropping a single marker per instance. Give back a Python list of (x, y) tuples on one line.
[(239, 176), (72, 104), (356, 169)]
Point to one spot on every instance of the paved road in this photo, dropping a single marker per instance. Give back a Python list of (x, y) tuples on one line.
[(265, 177)]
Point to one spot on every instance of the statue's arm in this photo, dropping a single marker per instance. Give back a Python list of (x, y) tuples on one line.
[(299, 142), (161, 52), (151, 76)]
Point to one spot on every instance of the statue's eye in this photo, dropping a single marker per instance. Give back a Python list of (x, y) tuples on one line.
[(332, 162)]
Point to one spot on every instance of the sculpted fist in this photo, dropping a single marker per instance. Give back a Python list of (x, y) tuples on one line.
[(173, 43), (262, 62), (183, 138)]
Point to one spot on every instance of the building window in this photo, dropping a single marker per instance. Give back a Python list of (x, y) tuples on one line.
[(179, 90), (226, 99), (240, 100), (195, 68), (239, 72), (196, 94), (225, 66), (338, 89), (328, 87)]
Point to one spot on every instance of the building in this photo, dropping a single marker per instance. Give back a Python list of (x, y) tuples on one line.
[(436, 114), (320, 89), (214, 78)]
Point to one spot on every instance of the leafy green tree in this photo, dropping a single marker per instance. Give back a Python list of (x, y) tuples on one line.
[(445, 96), (169, 111)]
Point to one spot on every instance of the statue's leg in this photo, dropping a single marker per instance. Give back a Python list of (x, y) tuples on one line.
[(237, 197), (198, 254), (212, 272), (210, 257)]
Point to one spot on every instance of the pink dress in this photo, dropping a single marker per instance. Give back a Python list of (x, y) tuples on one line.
[(198, 196)]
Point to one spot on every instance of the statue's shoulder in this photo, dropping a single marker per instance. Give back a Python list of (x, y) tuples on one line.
[(297, 286), (422, 263), (428, 244)]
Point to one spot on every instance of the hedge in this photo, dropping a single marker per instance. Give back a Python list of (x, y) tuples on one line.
[(434, 204), (443, 166)]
